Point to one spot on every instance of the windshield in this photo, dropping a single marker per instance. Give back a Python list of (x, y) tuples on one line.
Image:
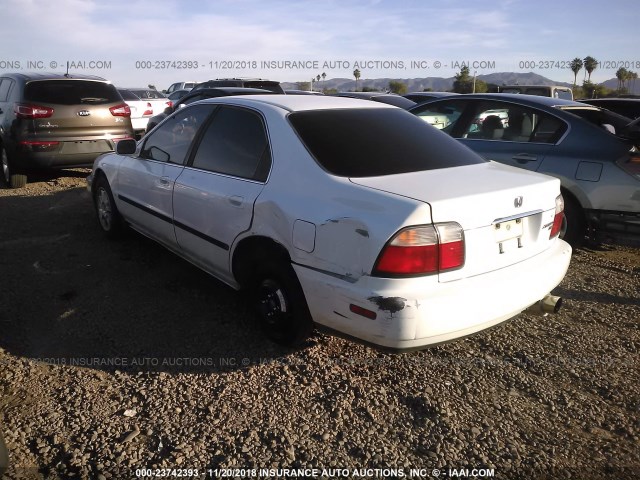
[(375, 142)]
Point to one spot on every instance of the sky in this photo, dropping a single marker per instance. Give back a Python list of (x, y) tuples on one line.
[(134, 43)]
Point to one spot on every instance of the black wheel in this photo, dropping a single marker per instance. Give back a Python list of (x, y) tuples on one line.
[(574, 229), (109, 218), (10, 178), (280, 303)]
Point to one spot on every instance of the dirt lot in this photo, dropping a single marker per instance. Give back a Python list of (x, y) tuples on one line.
[(116, 356)]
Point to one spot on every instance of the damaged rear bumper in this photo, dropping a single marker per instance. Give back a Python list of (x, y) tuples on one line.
[(416, 313)]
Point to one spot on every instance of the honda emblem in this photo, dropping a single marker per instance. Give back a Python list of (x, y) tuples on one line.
[(517, 202)]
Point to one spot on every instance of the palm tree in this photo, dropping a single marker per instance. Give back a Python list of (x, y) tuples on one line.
[(621, 75), (576, 66), (324, 75), (634, 76), (318, 77), (356, 74), (590, 64)]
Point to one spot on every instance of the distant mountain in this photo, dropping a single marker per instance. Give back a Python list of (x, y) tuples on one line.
[(437, 84), (613, 84)]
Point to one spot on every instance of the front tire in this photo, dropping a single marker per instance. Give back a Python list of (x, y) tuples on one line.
[(281, 305), (107, 213)]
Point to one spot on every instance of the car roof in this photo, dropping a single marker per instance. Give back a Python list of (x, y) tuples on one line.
[(532, 100), (611, 99), (28, 76), (298, 103)]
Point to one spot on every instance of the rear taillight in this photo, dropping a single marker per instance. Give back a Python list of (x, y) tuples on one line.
[(422, 250), (40, 146), (631, 164), (122, 110), (558, 218), (169, 104), (25, 110), (149, 110)]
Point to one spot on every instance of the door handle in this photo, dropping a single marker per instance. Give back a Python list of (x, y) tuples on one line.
[(236, 200), (164, 181), (524, 158)]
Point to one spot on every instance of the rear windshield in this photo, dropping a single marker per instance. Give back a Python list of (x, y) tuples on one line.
[(127, 95), (600, 117), (145, 94), (375, 142), (71, 92)]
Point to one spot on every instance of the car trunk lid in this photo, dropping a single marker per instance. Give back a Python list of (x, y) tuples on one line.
[(506, 213)]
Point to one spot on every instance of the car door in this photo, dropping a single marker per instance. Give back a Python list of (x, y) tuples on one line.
[(146, 181), (213, 198), (510, 133)]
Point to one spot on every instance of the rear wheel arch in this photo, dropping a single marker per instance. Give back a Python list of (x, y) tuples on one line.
[(252, 251)]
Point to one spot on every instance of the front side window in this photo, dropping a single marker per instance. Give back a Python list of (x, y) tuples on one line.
[(170, 141), (235, 143)]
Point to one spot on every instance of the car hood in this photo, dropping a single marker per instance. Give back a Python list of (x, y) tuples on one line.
[(475, 195)]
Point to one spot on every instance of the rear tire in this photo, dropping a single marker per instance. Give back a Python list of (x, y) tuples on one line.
[(280, 304), (11, 179), (109, 217), (575, 230)]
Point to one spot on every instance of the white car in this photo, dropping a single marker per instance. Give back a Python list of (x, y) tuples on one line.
[(144, 104), (352, 215)]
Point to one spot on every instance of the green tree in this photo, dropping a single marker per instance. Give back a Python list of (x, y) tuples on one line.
[(356, 74), (592, 90), (428, 89), (397, 87), (590, 64), (463, 83), (576, 66), (304, 86)]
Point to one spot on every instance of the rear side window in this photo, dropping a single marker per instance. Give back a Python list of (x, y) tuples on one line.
[(5, 86), (375, 142), (71, 92), (235, 143)]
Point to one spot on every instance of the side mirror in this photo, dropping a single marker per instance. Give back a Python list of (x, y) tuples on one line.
[(126, 147)]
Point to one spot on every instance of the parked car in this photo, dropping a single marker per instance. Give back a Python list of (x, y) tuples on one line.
[(177, 95), (382, 97), (569, 140), (57, 121), (141, 111), (553, 91), (421, 97), (628, 107), (391, 233), (188, 85), (201, 94), (261, 83)]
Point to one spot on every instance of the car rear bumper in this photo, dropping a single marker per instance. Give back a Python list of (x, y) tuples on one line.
[(421, 312), (64, 154)]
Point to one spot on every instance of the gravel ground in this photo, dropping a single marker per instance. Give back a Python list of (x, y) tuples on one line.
[(116, 356)]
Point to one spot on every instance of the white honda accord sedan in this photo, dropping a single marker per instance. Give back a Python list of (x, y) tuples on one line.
[(345, 214)]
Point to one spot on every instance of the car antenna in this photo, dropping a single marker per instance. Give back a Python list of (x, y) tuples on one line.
[(67, 74)]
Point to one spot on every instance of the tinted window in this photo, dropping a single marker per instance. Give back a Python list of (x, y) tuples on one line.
[(373, 142), (513, 123), (71, 92), (235, 143), (601, 117), (170, 141), (5, 86)]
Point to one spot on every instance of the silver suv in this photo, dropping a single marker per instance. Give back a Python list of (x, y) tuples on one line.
[(57, 121)]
